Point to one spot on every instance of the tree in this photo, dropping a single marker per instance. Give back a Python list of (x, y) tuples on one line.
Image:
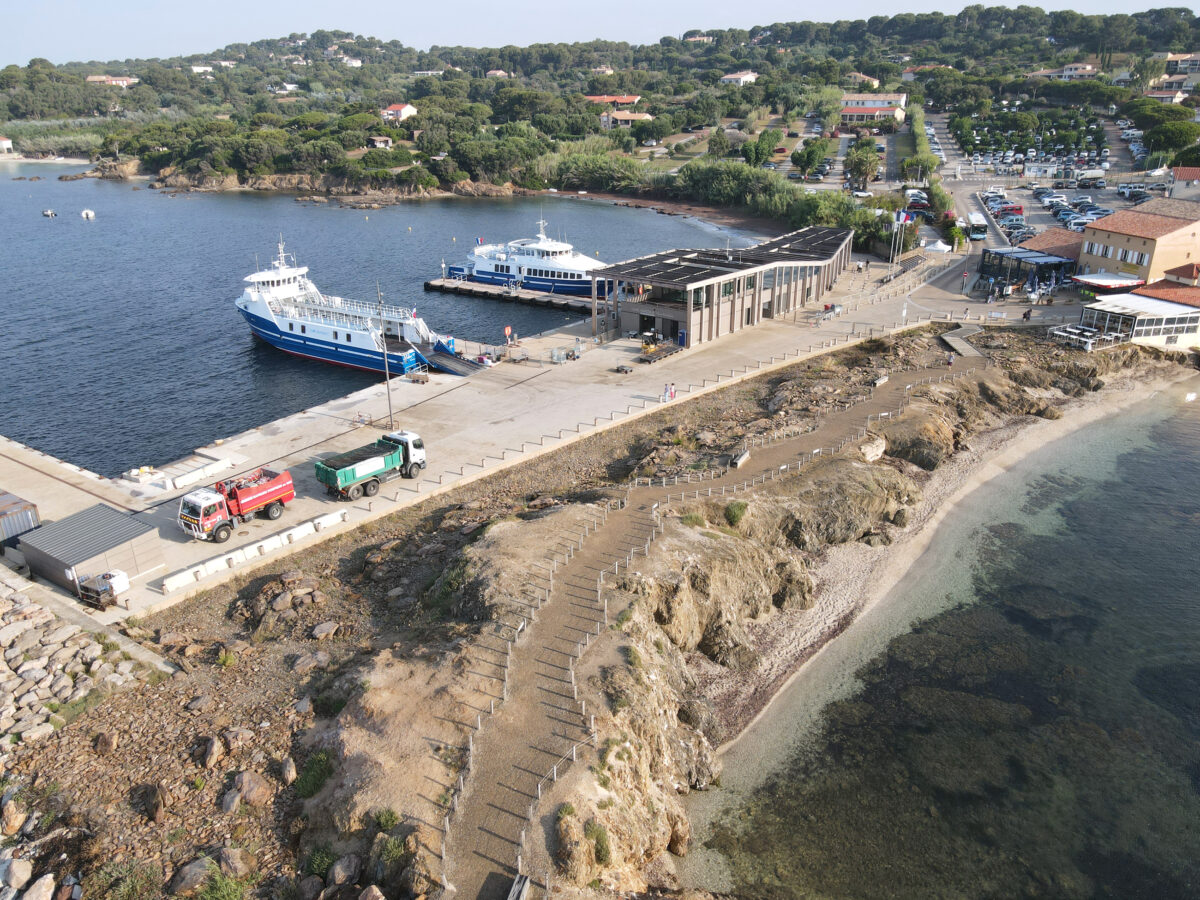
[(758, 152), (1172, 136), (1145, 72), (718, 142), (861, 164)]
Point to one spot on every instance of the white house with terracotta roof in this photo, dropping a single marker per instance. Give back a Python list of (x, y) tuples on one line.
[(602, 70), (121, 81), (1165, 96), (398, 112), (614, 99), (741, 79), (619, 118), (1069, 72), (863, 109), (495, 73)]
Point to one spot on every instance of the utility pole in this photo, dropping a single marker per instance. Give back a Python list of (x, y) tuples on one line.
[(387, 375)]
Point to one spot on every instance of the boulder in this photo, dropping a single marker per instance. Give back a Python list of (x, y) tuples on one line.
[(236, 863), (308, 662), (12, 817), (287, 771), (160, 799), (304, 586), (310, 888), (42, 889), (212, 752), (372, 893), (325, 630), (291, 576), (254, 789), (231, 802), (282, 601), (345, 870), (17, 873), (201, 703), (238, 737), (190, 878)]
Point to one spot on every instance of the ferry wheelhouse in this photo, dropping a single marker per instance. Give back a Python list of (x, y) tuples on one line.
[(537, 263), (285, 309)]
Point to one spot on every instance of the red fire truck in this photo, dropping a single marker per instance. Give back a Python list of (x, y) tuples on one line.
[(211, 514)]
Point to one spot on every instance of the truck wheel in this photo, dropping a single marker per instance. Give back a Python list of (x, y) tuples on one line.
[(371, 488), (222, 533), (274, 511), (410, 470), (354, 492)]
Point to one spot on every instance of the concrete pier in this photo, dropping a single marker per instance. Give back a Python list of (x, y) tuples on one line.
[(509, 295)]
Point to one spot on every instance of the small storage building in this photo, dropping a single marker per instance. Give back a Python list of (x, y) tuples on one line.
[(17, 516), (91, 542)]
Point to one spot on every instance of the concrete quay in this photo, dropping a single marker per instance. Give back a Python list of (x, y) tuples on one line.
[(500, 417)]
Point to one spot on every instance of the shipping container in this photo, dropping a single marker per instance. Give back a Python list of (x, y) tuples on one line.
[(17, 516)]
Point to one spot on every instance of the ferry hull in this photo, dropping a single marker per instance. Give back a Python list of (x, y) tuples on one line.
[(529, 282), (327, 351)]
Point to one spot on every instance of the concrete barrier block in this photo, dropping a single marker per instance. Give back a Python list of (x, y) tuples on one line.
[(740, 460), (178, 580), (301, 531), (274, 542), (329, 519)]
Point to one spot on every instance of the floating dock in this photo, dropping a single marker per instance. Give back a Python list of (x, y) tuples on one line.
[(511, 295)]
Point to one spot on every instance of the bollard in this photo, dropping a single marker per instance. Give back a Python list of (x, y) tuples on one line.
[(539, 793), (492, 708), (446, 824), (478, 722), (460, 778), (470, 746), (573, 746), (554, 772)]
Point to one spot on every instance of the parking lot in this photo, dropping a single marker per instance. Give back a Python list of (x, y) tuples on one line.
[(1039, 216)]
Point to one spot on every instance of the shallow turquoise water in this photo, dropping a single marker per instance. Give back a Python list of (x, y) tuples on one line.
[(1037, 734)]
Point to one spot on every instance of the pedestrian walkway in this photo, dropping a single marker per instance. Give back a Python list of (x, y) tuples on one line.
[(957, 340), (540, 724)]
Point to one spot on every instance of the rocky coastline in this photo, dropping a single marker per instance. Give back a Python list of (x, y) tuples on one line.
[(294, 752)]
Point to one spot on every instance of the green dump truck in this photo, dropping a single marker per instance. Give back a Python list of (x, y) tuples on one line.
[(362, 471)]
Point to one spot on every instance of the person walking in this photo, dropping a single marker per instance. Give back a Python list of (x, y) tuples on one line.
[(672, 390), (950, 360), (1027, 315), (666, 392)]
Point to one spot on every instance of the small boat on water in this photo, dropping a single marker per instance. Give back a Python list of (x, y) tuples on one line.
[(538, 264), (88, 214), (285, 309), (49, 213)]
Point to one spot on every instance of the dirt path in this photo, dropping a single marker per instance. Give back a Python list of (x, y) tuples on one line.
[(538, 718)]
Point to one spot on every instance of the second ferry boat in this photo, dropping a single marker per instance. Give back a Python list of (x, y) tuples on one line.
[(285, 309), (538, 264)]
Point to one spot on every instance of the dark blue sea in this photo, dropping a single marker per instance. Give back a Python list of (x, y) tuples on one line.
[(120, 342), (1022, 720)]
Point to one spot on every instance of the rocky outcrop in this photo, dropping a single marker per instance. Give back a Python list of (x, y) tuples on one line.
[(481, 189), (47, 663)]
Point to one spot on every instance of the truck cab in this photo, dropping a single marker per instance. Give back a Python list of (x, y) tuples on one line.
[(414, 450), (204, 514)]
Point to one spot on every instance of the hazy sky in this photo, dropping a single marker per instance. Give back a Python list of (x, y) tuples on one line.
[(67, 30)]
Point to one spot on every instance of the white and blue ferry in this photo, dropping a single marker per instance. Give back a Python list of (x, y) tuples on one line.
[(538, 264), (285, 309)]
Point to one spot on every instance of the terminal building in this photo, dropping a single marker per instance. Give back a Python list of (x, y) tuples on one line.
[(697, 296)]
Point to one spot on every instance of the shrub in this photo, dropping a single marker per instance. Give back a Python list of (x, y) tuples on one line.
[(394, 853), (634, 658), (386, 819), (124, 881), (319, 861), (598, 835), (735, 511), (317, 769), (695, 520), (563, 811), (222, 887)]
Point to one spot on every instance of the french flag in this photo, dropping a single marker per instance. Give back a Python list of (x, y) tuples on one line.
[(479, 240), (902, 217)]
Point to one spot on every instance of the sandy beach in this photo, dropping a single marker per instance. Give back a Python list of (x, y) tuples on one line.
[(854, 578)]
